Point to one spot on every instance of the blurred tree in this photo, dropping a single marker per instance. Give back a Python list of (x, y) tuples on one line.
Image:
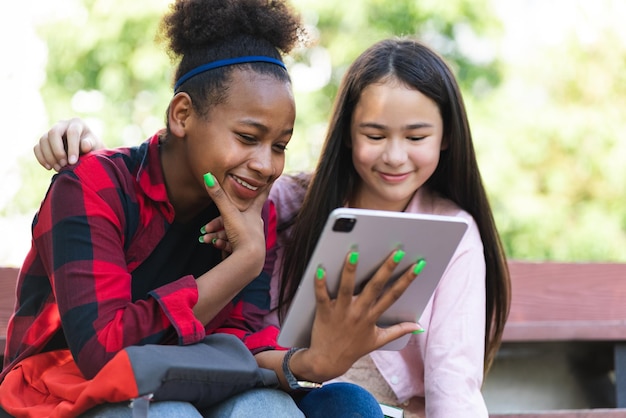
[(553, 157), (463, 31), (545, 126), (104, 66)]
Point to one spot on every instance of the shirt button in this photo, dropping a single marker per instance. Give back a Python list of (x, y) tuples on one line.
[(395, 380)]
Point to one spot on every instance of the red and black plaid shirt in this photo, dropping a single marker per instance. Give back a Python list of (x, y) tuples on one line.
[(84, 283)]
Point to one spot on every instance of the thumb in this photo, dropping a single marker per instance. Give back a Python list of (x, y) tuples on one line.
[(219, 197), (396, 331)]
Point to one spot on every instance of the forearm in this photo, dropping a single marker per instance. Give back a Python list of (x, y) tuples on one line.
[(218, 286)]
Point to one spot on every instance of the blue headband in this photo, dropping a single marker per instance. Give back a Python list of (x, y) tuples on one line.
[(224, 63)]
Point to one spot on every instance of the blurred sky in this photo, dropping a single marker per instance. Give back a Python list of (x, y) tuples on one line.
[(528, 24)]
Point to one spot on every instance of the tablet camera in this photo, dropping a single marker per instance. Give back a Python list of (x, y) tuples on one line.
[(344, 224)]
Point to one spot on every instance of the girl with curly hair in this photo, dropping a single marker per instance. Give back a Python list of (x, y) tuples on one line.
[(116, 260)]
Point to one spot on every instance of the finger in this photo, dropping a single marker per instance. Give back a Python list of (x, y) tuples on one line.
[(232, 219), (74, 134), (47, 155), (214, 226), (212, 237), (219, 240), (220, 198), (221, 244), (56, 141), (321, 291), (395, 291), (372, 290), (388, 334), (89, 142), (346, 286), (86, 144), (39, 155)]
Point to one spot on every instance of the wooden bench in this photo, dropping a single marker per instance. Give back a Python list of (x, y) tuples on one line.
[(574, 303), (8, 278)]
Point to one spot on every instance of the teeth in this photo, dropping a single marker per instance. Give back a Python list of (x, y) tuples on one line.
[(246, 185)]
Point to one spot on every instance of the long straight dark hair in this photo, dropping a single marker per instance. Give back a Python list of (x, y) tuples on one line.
[(457, 176)]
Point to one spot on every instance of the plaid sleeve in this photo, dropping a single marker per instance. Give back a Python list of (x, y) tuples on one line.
[(248, 310), (82, 246)]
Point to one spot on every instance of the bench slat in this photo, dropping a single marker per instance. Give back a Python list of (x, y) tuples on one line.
[(567, 301), (565, 331), (8, 278)]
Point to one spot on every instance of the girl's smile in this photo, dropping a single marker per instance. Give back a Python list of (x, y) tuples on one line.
[(394, 178)]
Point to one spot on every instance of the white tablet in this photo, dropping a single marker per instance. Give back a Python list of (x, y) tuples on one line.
[(433, 238)]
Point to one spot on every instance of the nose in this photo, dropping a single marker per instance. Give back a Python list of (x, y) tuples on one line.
[(266, 162), (395, 153)]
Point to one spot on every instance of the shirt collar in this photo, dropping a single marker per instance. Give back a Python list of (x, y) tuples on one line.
[(150, 173)]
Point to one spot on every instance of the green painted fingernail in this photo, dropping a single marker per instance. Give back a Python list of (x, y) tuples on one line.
[(419, 266), (398, 256), (354, 257), (203, 230), (419, 331), (320, 273), (213, 241), (209, 180), (201, 239)]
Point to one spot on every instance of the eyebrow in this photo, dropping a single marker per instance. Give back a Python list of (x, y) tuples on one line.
[(407, 127), (263, 127)]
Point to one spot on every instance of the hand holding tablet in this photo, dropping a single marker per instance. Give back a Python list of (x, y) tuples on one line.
[(344, 328), (427, 242)]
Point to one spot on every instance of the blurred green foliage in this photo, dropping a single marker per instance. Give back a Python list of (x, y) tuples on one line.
[(546, 130), (110, 54)]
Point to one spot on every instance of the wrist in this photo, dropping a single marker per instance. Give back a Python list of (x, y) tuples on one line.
[(296, 380)]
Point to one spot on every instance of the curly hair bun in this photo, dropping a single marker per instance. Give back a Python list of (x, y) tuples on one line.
[(193, 24)]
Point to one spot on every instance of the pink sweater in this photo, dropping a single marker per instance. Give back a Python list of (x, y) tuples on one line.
[(444, 365)]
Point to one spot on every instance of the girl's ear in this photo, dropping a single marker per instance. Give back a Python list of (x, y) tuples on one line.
[(178, 112)]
